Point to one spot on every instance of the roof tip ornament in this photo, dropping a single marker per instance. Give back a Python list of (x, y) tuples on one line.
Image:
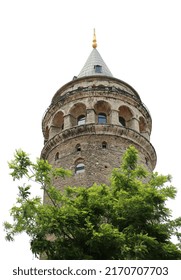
[(94, 42)]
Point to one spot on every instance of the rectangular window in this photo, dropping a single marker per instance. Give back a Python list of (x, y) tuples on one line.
[(98, 68), (102, 119)]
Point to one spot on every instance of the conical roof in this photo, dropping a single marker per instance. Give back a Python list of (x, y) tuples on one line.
[(95, 65)]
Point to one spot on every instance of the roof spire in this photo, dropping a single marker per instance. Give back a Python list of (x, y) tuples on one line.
[(94, 42)]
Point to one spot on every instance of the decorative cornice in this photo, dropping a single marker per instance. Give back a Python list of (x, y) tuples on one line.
[(70, 85)]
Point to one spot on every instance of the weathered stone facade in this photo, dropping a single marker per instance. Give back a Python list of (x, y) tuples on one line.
[(90, 123)]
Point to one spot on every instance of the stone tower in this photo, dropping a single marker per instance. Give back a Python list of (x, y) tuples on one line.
[(91, 121)]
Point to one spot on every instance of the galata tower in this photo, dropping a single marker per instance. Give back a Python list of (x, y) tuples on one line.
[(91, 121)]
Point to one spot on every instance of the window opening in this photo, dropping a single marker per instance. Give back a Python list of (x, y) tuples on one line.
[(122, 121), (78, 147), (81, 120), (57, 156), (80, 168), (146, 161), (104, 145), (102, 119), (98, 68)]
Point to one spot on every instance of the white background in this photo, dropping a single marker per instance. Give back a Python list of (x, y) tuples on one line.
[(43, 44)]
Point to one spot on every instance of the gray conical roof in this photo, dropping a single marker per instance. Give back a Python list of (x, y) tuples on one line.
[(94, 66)]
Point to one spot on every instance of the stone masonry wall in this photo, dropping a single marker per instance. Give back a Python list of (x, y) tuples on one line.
[(99, 161)]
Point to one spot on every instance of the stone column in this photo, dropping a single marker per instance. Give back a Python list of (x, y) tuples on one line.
[(134, 124), (114, 117), (90, 116), (67, 121)]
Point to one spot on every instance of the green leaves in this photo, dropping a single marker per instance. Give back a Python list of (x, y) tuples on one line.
[(19, 165), (24, 192), (128, 219), (130, 159)]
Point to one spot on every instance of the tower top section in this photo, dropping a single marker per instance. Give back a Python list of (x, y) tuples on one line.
[(95, 65)]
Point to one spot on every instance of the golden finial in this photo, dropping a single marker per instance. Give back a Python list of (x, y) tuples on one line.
[(94, 42)]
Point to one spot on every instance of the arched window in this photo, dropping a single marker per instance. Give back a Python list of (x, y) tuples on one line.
[(81, 120), (78, 148), (57, 156), (102, 118), (77, 114), (102, 111), (57, 124), (104, 145), (79, 168), (125, 116), (58, 120), (122, 121)]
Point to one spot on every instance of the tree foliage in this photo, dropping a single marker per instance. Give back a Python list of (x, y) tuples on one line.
[(126, 220)]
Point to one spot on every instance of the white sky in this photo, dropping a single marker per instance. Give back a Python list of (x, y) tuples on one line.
[(43, 44)]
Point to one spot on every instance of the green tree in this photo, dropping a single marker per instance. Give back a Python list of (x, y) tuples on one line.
[(126, 220)]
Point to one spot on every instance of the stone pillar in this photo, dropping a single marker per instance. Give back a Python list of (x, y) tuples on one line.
[(134, 124), (114, 117), (90, 116), (54, 130), (67, 121)]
